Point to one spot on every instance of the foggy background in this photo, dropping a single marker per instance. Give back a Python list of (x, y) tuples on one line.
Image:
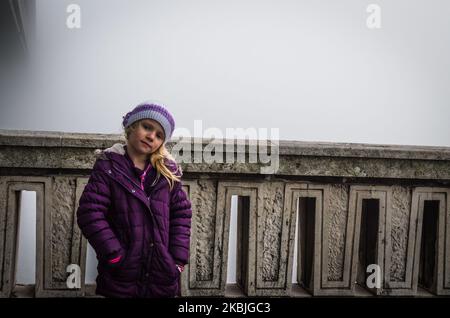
[(311, 68)]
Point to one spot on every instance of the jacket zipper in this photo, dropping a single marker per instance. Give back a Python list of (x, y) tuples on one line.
[(148, 207), (124, 174)]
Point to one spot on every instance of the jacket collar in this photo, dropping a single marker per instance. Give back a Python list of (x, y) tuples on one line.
[(120, 159), (118, 154)]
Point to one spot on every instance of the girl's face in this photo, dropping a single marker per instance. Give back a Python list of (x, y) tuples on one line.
[(147, 137)]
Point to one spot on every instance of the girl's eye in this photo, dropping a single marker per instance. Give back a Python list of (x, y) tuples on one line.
[(146, 127)]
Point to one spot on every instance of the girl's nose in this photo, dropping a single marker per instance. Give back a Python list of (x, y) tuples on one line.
[(151, 135)]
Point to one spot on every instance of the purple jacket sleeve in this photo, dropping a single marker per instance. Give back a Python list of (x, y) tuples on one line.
[(180, 224), (91, 216)]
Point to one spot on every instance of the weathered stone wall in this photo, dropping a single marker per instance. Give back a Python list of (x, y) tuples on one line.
[(340, 178)]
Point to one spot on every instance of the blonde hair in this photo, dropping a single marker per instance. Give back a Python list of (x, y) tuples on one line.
[(157, 159)]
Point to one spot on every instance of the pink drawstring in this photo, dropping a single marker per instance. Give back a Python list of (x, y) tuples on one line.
[(115, 260), (143, 175), (180, 267)]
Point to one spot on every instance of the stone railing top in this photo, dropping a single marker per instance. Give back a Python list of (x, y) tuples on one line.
[(40, 150), (286, 147)]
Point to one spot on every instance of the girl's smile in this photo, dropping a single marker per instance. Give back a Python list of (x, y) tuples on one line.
[(146, 144)]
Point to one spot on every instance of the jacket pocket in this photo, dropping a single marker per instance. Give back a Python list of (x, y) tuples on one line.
[(168, 267), (123, 235), (125, 271)]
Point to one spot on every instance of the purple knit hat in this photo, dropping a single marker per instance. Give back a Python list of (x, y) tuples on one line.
[(151, 110)]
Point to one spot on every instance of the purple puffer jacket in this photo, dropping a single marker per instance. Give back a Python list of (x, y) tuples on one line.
[(150, 232)]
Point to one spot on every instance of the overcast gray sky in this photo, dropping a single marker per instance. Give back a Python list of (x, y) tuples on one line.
[(311, 68)]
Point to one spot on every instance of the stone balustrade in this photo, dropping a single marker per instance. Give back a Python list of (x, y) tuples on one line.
[(348, 205)]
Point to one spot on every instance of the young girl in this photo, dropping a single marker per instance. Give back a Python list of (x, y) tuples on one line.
[(134, 211)]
